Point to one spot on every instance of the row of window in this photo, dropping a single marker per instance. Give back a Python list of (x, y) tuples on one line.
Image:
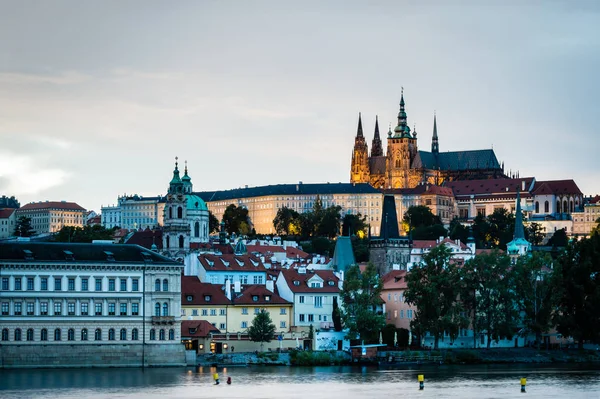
[(84, 309), (223, 312), (28, 284), (83, 334), (409, 314), (243, 278), (244, 324), (317, 300), (311, 317)]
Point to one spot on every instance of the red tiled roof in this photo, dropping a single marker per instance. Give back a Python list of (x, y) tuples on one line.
[(261, 292), (145, 238), (197, 328), (69, 206), (199, 291), (423, 189), (556, 187), (490, 186), (94, 220), (5, 213), (394, 280), (595, 199), (302, 279), (232, 262), (291, 252)]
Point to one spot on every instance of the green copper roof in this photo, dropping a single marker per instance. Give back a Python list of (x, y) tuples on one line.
[(196, 203), (343, 256)]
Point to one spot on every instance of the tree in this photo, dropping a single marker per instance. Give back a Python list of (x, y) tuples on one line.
[(535, 233), (23, 227), (287, 221), (360, 248), (481, 229), (213, 223), (336, 315), (578, 284), (536, 295), (433, 287), (262, 328), (330, 222), (420, 215), (559, 239), (501, 225), (429, 232), (83, 234), (236, 220), (355, 225), (458, 231), (488, 295), (361, 296)]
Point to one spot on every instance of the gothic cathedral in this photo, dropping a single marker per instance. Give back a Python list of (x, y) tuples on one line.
[(404, 166)]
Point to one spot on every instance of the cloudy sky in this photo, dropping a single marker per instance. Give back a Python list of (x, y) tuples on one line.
[(97, 98)]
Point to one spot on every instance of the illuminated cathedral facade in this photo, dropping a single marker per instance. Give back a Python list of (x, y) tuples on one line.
[(403, 165)]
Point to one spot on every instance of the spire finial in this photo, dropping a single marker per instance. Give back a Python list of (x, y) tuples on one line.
[(359, 131), (186, 166), (176, 163)]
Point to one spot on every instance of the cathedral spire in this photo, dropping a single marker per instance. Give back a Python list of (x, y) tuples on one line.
[(434, 141), (359, 132), (519, 230), (402, 130), (376, 148)]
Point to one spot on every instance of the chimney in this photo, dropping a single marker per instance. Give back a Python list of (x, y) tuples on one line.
[(228, 289), (270, 285)]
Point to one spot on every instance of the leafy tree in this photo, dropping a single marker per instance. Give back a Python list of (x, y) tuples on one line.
[(83, 234), (481, 229), (559, 239), (360, 247), (355, 225), (596, 230), (535, 291), (578, 284), (213, 223), (308, 224), (361, 295), (488, 295), (535, 233), (262, 328), (330, 221), (433, 287), (429, 232), (287, 221), (336, 316), (458, 231), (501, 227), (23, 227), (236, 220), (421, 215)]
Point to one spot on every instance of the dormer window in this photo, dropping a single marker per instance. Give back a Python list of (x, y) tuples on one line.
[(68, 255), (331, 283), (189, 298), (192, 331), (207, 298), (268, 298), (296, 283), (255, 298), (315, 285)]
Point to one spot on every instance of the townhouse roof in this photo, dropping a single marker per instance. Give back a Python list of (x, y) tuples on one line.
[(289, 189), (594, 200), (394, 279), (197, 328), (259, 295), (94, 220), (5, 213), (196, 292), (556, 187), (457, 160), (299, 282), (491, 187), (422, 244), (76, 252), (422, 189), (62, 205), (145, 238), (291, 252), (231, 262)]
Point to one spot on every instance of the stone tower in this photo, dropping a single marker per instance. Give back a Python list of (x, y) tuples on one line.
[(376, 146), (176, 232), (359, 171), (402, 150)]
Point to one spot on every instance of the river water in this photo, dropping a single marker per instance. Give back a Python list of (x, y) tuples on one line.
[(503, 382)]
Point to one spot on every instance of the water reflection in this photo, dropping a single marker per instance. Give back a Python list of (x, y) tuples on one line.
[(290, 383)]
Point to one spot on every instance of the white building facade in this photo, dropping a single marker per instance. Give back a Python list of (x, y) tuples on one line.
[(8, 220), (51, 216)]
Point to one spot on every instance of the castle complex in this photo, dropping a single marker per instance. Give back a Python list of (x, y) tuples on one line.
[(404, 166)]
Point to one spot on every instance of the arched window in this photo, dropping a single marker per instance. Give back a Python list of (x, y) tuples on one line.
[(134, 334), (18, 334), (557, 206), (44, 335), (98, 335), (71, 335), (565, 207), (179, 212), (152, 334), (537, 207), (157, 284), (180, 241), (123, 335), (5, 334), (171, 334), (30, 334), (157, 309), (571, 208), (165, 309), (546, 207), (197, 229), (170, 213), (165, 285), (57, 336), (162, 335), (84, 334), (111, 334), (168, 242)]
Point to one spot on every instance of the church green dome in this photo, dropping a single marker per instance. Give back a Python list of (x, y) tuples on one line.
[(196, 203)]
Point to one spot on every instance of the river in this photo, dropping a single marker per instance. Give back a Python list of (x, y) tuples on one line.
[(502, 382)]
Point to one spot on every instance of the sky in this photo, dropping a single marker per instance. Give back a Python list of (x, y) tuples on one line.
[(98, 98)]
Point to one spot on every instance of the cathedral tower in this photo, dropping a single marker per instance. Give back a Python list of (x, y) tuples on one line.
[(359, 172), (435, 149), (376, 147), (402, 150)]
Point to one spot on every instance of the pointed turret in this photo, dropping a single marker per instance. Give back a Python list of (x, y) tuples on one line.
[(176, 185), (359, 131), (186, 181), (519, 245), (435, 149), (402, 130), (519, 229), (359, 168), (376, 148)]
